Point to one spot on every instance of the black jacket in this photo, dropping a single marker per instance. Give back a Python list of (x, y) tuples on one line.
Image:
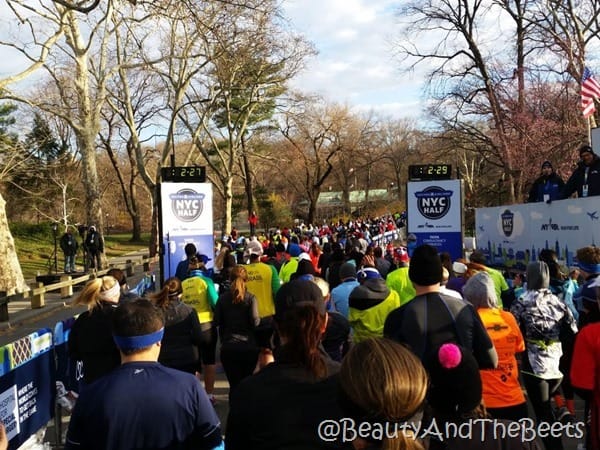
[(68, 244), (577, 180), (180, 347), (430, 320), (91, 342), (281, 407)]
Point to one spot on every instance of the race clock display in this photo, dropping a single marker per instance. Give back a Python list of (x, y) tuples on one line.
[(183, 174), (424, 172)]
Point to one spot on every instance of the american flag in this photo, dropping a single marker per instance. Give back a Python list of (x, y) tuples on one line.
[(590, 89)]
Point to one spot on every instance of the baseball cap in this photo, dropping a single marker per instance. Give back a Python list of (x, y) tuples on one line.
[(298, 293)]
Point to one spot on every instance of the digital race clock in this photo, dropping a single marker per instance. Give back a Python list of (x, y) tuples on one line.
[(182, 174), (423, 172)]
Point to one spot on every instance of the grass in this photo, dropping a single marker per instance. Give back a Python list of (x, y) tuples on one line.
[(36, 250)]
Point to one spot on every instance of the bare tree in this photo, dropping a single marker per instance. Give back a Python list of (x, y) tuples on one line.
[(469, 79), (252, 57), (312, 132)]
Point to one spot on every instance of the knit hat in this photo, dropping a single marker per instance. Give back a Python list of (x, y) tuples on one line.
[(347, 270), (298, 293), (294, 249), (546, 164), (425, 267), (459, 268), (367, 273), (455, 381), (401, 254), (585, 149)]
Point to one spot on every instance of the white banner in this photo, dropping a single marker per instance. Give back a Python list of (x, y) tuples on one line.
[(514, 235), (186, 217), (435, 214)]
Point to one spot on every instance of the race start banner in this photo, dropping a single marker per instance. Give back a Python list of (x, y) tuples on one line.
[(186, 216), (435, 215)]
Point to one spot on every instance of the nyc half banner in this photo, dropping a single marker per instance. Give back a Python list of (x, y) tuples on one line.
[(512, 236), (435, 214), (186, 217)]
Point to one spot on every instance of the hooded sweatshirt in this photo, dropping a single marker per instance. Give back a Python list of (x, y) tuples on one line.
[(370, 303)]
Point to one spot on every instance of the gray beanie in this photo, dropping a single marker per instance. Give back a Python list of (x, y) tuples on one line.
[(347, 270), (479, 290), (538, 275)]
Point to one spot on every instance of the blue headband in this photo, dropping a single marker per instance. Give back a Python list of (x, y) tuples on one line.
[(138, 342), (589, 268)]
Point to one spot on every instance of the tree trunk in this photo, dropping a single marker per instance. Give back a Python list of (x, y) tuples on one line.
[(248, 185), (12, 279), (228, 205)]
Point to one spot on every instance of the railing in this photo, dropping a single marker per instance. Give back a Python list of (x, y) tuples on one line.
[(65, 285)]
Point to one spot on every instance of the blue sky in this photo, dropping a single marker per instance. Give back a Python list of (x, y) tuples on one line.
[(355, 64)]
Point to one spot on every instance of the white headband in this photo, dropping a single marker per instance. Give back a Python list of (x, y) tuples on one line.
[(111, 294)]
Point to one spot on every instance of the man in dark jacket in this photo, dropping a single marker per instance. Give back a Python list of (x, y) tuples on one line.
[(94, 245), (433, 318), (69, 245), (547, 187), (585, 180)]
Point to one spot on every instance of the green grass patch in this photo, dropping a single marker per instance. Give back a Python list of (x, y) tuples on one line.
[(35, 248)]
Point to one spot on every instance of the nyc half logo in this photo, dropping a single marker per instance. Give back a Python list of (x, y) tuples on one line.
[(187, 204), (433, 202), (508, 222)]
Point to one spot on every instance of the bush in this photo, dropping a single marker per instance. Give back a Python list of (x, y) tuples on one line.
[(32, 230)]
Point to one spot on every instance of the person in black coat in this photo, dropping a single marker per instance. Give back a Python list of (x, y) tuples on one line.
[(69, 246), (90, 341), (547, 187), (585, 180), (180, 347)]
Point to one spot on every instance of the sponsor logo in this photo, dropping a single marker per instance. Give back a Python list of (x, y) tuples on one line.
[(433, 202), (187, 204), (508, 222)]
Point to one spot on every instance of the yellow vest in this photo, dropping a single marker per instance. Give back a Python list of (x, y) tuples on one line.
[(260, 276), (195, 294)]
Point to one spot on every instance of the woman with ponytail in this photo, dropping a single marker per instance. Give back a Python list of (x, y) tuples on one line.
[(236, 316), (282, 405), (383, 382), (90, 340), (180, 346)]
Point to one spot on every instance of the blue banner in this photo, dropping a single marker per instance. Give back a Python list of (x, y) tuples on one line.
[(27, 396)]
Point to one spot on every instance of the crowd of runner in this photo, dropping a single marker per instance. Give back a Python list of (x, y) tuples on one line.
[(331, 337)]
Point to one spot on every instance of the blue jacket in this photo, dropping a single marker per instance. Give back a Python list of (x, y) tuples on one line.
[(551, 186)]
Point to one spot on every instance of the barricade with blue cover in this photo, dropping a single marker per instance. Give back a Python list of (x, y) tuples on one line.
[(27, 385)]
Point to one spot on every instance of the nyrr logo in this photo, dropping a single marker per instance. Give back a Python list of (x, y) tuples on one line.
[(508, 222), (187, 204), (433, 202)]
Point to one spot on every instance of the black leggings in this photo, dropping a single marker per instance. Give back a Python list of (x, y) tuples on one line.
[(512, 413), (540, 392), (238, 362)]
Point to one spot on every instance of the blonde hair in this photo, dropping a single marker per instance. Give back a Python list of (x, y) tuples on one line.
[(385, 380), (170, 291), (239, 278), (90, 295)]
